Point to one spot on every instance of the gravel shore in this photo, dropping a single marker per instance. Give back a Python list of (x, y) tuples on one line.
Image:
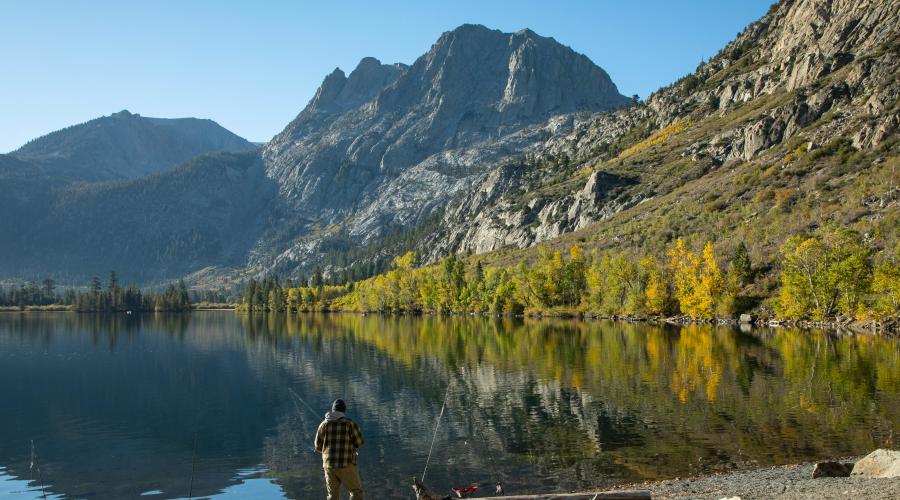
[(783, 482)]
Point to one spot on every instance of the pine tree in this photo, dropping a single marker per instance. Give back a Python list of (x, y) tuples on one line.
[(741, 266), (112, 289), (48, 286)]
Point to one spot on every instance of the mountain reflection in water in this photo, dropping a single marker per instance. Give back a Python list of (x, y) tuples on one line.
[(115, 404)]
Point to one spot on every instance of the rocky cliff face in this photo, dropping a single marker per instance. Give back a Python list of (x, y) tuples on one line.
[(125, 146), (474, 84), (378, 149)]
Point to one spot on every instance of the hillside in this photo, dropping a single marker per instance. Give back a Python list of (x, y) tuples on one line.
[(747, 110), (794, 126), (125, 146)]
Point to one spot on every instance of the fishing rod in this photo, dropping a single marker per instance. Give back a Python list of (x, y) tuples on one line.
[(34, 464), (492, 465), (193, 466)]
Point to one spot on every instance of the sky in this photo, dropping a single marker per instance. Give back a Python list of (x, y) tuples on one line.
[(252, 66)]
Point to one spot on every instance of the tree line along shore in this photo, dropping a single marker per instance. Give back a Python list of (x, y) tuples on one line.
[(113, 297), (832, 275), (829, 276)]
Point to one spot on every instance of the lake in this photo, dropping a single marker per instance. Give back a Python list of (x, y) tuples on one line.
[(204, 405)]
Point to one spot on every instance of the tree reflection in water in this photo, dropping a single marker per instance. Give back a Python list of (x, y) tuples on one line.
[(113, 401)]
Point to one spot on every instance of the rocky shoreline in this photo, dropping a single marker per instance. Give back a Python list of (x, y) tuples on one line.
[(792, 482)]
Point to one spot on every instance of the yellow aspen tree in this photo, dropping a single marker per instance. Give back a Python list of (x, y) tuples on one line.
[(685, 268), (594, 278), (824, 275), (886, 289), (711, 284), (659, 288)]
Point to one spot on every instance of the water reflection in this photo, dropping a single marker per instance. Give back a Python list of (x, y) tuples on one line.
[(116, 403)]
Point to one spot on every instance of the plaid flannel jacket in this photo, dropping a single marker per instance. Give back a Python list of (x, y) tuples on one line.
[(338, 441)]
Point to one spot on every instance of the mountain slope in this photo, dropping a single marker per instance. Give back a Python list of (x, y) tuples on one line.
[(778, 158), (207, 211), (807, 74), (126, 146)]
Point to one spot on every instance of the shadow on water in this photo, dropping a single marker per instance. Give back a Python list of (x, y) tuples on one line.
[(114, 402)]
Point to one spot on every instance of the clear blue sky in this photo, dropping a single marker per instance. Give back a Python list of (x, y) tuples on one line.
[(252, 66)]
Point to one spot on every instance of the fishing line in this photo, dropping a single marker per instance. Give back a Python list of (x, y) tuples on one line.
[(437, 425), (304, 402), (490, 458), (196, 399), (298, 398)]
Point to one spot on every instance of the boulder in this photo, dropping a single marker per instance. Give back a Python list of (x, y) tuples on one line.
[(879, 463), (746, 318), (832, 469)]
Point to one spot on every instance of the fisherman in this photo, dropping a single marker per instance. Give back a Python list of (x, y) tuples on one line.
[(338, 440)]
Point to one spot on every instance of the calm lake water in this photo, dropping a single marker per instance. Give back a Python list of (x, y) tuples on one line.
[(124, 406)]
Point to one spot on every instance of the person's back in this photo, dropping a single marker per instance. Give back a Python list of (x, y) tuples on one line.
[(338, 439)]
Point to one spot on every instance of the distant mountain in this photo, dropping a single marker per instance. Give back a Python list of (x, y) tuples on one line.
[(207, 211), (125, 146)]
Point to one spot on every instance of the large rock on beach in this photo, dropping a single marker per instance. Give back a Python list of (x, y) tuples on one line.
[(879, 463)]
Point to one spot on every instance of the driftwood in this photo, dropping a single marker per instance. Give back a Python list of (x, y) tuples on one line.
[(602, 495)]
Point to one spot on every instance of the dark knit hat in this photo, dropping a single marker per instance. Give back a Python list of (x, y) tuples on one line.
[(339, 405)]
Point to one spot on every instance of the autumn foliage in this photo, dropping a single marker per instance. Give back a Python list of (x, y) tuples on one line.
[(823, 275)]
